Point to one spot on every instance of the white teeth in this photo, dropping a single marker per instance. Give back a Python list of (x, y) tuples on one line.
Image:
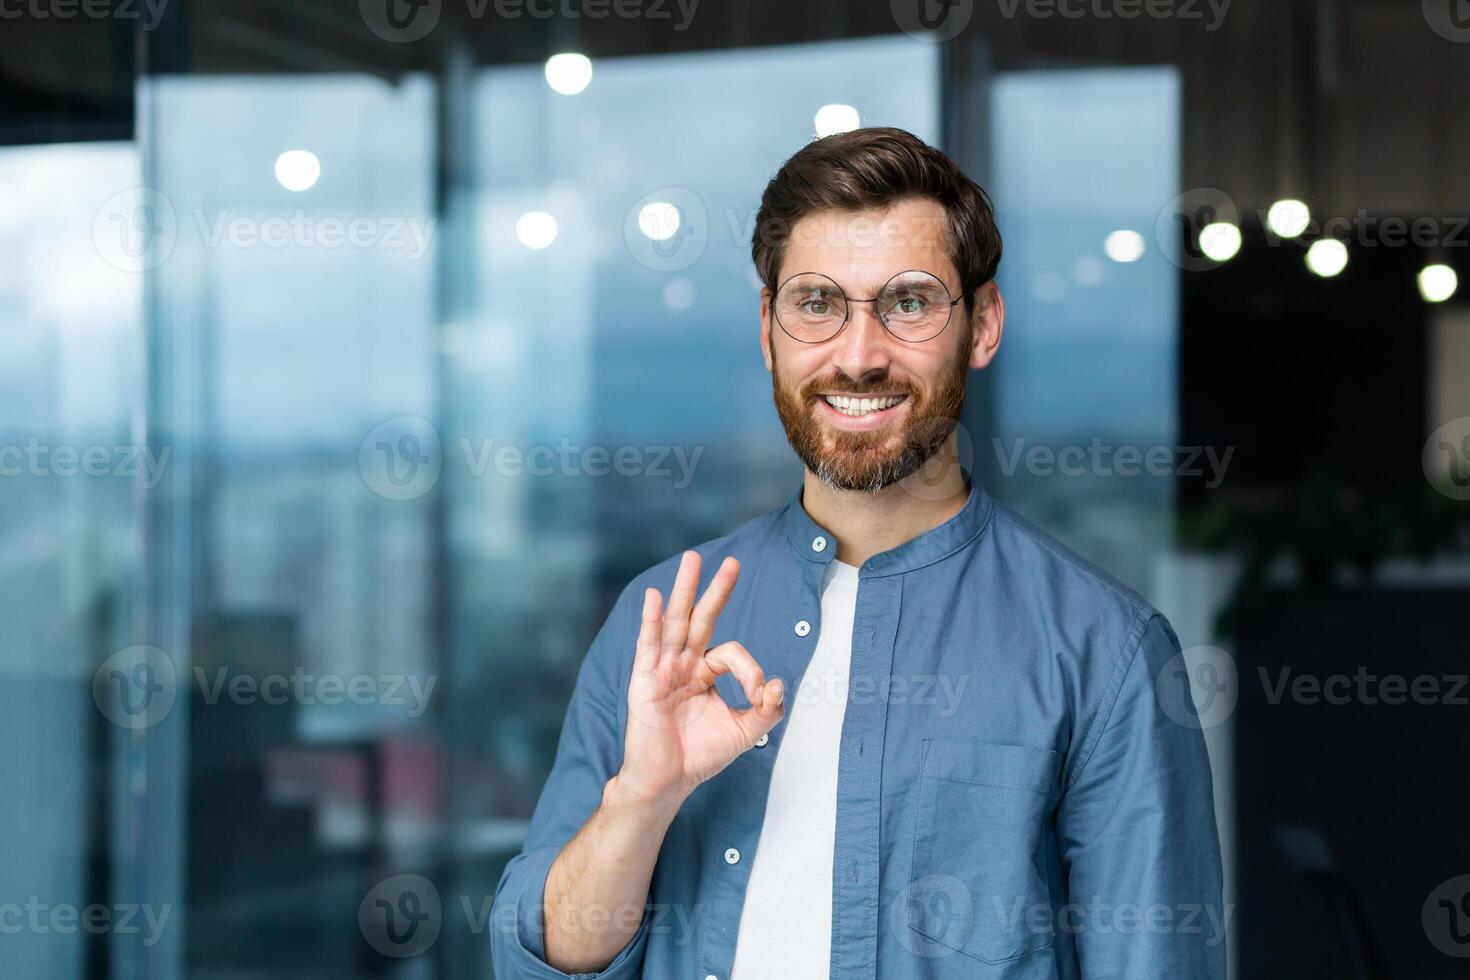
[(861, 406)]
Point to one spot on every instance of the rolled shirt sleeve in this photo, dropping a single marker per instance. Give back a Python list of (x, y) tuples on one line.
[(588, 754), (1137, 832)]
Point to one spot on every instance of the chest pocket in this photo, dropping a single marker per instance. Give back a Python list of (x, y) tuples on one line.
[(978, 879)]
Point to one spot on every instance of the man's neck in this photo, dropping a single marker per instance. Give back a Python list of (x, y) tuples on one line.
[(867, 524)]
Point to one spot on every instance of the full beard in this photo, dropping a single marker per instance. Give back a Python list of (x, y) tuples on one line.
[(872, 460)]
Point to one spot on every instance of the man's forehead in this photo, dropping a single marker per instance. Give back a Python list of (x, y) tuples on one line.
[(912, 233)]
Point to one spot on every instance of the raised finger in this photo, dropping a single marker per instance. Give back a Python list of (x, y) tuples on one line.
[(681, 602), (711, 604), (650, 629)]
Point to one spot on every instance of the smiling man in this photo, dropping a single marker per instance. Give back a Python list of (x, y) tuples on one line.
[(889, 729)]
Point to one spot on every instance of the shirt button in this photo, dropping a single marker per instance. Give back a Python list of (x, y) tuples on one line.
[(711, 976), (819, 543), (732, 856), (762, 740), (803, 628)]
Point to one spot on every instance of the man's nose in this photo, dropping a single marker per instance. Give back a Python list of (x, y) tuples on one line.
[(863, 345)]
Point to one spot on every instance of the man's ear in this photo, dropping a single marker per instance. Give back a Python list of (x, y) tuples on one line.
[(987, 324), (766, 327)]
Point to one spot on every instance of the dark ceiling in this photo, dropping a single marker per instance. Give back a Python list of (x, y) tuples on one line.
[(1352, 103)]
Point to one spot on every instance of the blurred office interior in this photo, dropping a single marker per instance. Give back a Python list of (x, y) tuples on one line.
[(386, 342)]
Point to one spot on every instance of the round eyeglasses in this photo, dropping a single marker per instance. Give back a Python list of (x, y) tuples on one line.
[(913, 306)]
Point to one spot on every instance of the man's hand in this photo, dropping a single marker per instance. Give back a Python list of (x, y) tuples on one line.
[(680, 731)]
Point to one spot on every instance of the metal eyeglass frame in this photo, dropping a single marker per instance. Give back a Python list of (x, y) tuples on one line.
[(848, 300)]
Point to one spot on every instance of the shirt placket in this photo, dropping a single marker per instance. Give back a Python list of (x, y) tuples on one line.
[(855, 863), (734, 832)]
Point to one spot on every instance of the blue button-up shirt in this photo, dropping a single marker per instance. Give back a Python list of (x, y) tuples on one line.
[(1023, 790)]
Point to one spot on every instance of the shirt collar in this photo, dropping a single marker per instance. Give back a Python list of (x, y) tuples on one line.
[(816, 544)]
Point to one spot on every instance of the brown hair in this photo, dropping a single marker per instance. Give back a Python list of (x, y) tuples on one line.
[(873, 168)]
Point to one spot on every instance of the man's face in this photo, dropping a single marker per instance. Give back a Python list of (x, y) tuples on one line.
[(861, 251)]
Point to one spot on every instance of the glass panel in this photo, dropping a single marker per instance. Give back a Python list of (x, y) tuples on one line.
[(1085, 386), (292, 316), (70, 466)]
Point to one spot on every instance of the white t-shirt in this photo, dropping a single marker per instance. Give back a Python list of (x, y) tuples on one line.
[(786, 924)]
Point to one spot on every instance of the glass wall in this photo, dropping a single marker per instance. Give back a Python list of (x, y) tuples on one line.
[(71, 462), (1084, 422)]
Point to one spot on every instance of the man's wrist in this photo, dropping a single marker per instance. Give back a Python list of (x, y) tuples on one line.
[(618, 797)]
